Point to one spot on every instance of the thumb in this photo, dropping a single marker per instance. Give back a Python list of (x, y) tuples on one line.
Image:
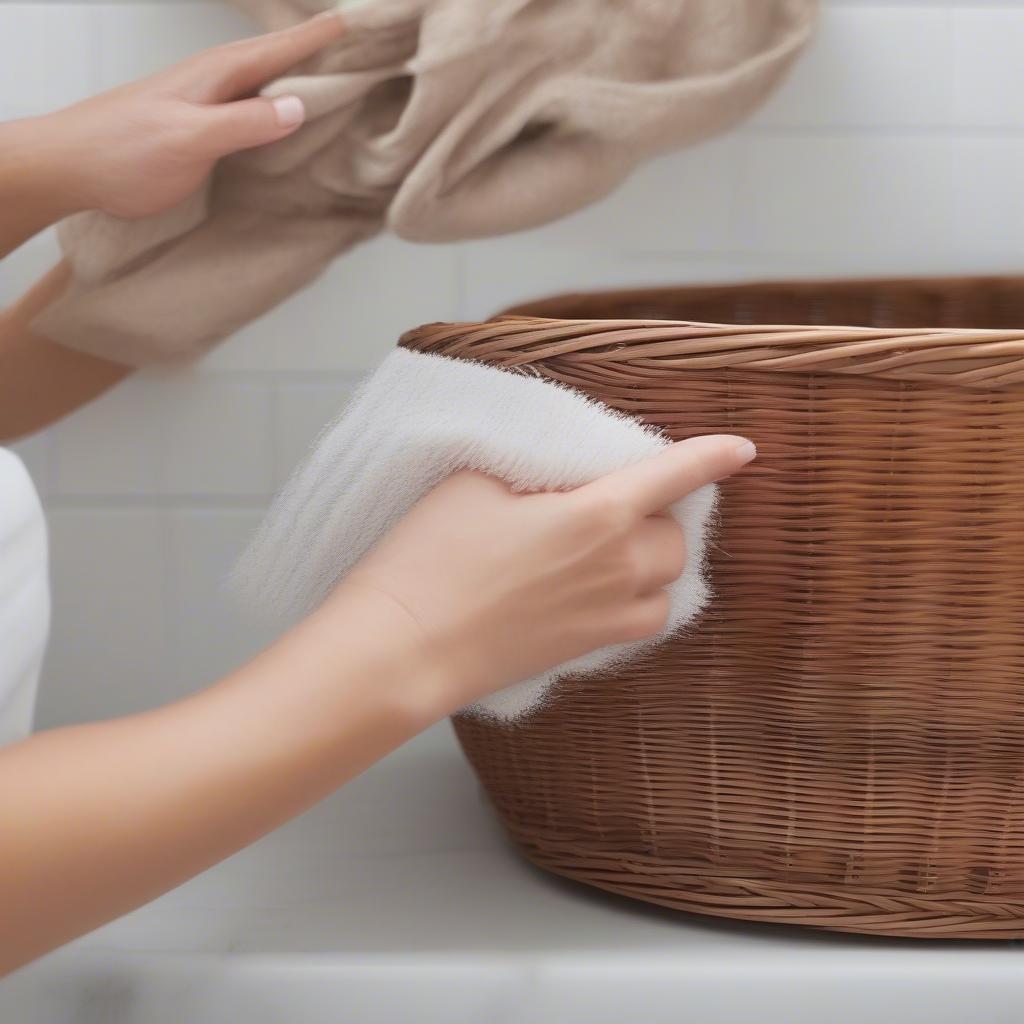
[(247, 123)]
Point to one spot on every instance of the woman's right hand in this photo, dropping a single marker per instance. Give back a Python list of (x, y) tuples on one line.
[(475, 589), (501, 586)]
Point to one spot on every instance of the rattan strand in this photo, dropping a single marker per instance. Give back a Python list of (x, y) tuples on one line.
[(840, 741)]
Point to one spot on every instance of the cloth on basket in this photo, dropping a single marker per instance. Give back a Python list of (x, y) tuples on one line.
[(418, 419)]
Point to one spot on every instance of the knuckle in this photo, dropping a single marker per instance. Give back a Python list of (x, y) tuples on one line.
[(208, 66), (705, 465), (647, 619), (226, 55), (631, 568), (200, 62), (222, 69), (666, 553), (608, 516), (674, 555), (189, 120), (622, 574), (655, 616)]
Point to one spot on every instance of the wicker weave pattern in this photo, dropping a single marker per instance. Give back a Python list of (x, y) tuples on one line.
[(840, 742)]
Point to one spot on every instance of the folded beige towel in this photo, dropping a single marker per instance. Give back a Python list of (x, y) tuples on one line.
[(439, 119)]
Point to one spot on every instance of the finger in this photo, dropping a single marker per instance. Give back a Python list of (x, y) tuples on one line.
[(237, 69), (229, 127), (663, 479), (643, 618), (659, 553)]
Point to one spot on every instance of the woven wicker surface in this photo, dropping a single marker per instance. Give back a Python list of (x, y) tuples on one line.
[(839, 742)]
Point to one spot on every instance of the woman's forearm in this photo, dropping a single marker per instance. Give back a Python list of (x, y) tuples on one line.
[(41, 381), (34, 188), (96, 820)]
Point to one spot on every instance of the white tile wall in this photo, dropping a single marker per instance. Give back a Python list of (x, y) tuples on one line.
[(840, 199), (47, 56), (873, 66), (987, 72), (211, 635), (187, 437), (133, 39), (898, 145), (112, 644)]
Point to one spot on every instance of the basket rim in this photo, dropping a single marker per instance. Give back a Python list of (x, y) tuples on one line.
[(968, 357)]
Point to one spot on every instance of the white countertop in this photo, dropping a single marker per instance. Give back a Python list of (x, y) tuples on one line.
[(400, 901)]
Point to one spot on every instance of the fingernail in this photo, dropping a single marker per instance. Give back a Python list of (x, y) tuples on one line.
[(746, 451), (289, 111)]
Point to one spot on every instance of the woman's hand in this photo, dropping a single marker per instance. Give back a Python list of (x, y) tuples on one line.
[(502, 586), (134, 151), (142, 147), (475, 589)]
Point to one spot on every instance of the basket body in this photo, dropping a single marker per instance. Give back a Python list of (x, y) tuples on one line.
[(839, 742)]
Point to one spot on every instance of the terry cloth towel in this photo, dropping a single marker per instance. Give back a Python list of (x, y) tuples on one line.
[(415, 421), (438, 119)]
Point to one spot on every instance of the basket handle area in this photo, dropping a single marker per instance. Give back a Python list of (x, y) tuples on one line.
[(949, 356)]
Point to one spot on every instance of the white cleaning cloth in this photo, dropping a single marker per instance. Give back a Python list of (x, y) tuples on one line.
[(415, 421)]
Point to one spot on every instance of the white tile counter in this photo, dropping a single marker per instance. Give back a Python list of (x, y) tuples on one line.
[(399, 901)]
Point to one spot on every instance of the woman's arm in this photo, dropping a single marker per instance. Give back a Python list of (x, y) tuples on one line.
[(133, 151), (34, 190), (97, 819), (41, 381)]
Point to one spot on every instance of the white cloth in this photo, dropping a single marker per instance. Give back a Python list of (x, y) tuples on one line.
[(415, 421), (24, 597)]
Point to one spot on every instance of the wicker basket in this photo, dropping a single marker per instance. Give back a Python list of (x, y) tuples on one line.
[(840, 741)]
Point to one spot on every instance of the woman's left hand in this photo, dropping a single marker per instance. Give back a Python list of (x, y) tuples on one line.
[(134, 151), (143, 147)]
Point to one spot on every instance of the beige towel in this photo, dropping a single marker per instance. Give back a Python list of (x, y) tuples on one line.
[(438, 119)]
